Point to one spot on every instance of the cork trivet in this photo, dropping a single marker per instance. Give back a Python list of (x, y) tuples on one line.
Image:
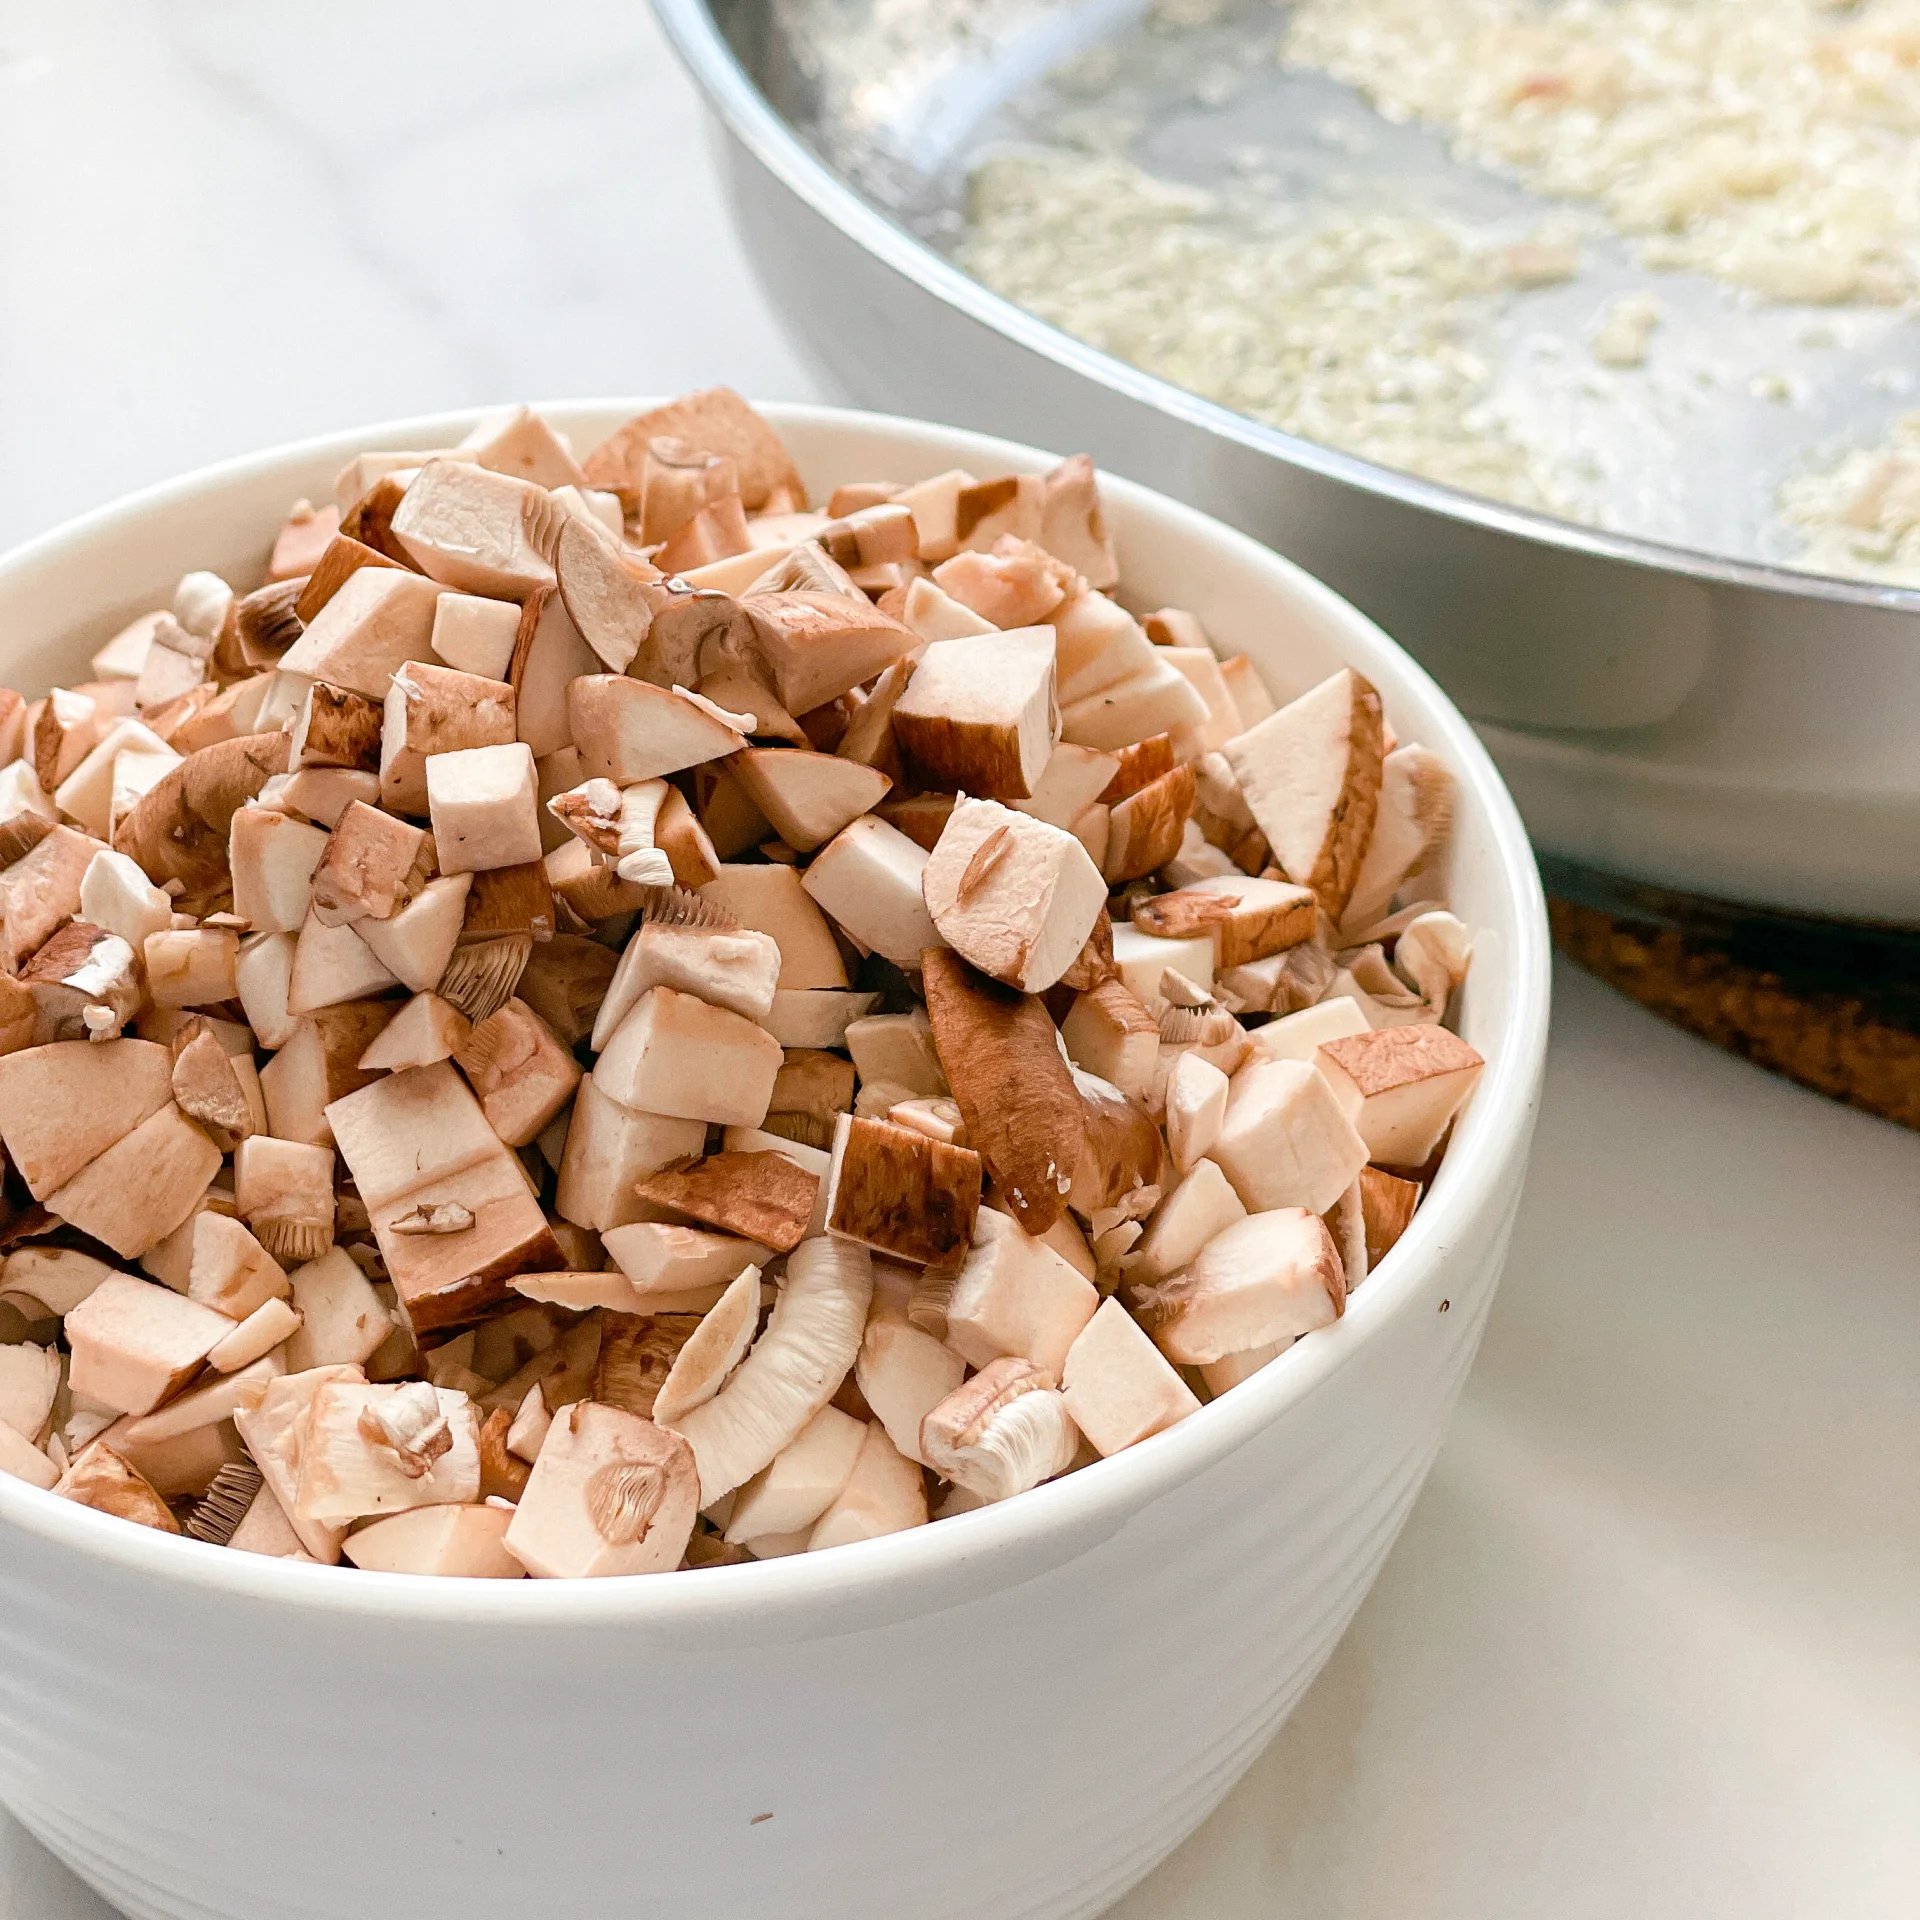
[(1835, 1007)]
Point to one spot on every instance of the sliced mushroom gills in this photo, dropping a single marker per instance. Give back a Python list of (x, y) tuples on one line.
[(607, 1014)]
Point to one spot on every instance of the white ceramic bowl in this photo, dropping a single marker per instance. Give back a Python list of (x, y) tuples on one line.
[(1012, 1713)]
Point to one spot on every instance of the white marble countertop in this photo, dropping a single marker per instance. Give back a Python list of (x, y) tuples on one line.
[(1650, 1645)]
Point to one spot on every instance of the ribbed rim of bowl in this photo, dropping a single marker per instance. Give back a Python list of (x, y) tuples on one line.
[(748, 115), (1084, 1506)]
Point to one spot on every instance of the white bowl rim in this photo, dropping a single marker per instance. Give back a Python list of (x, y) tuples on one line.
[(1066, 1513)]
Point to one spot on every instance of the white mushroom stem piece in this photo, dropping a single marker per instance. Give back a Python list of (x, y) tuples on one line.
[(791, 1371)]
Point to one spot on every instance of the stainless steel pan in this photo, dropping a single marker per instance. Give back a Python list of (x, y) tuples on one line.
[(1717, 725)]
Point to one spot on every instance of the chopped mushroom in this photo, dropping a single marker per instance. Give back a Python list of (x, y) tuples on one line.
[(1005, 1430), (642, 984)]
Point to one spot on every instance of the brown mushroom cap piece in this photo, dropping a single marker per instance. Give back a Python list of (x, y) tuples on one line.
[(1023, 1114), (901, 1192), (760, 1196)]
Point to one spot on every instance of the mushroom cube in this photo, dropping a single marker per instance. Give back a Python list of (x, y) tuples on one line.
[(471, 529), (475, 635), (735, 968), (372, 866), (1117, 1384), (275, 1432), (1157, 699), (283, 1190), (807, 797), (25, 1461), (802, 1481), (1248, 919), (1109, 1032), (135, 1344), (266, 1327), (676, 1055), (1285, 1142), (516, 440), (627, 730), (40, 891), (900, 1192), (1311, 774), (521, 1072), (377, 1449), (1300, 1036), (771, 900), (1196, 1107), (1400, 1087), (1144, 829), (334, 727), (611, 1493), (143, 1186), (377, 620), (1015, 896), (814, 1019), (483, 804), (1144, 960), (232, 1272), (895, 1047), (409, 1130), (979, 716), (885, 1493), (426, 1029), (342, 1320), (1015, 1296), (63, 1105), (1265, 1279), (1072, 780), (415, 946), (193, 967), (609, 1147), (100, 1479), (662, 1259), (432, 710), (450, 1246), (870, 878), (117, 896), (816, 646), (1387, 1204), (903, 1373), (29, 1384), (272, 857), (466, 1542), (1203, 1204), (332, 965)]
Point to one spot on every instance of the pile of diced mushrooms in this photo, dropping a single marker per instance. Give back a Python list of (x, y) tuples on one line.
[(607, 1019)]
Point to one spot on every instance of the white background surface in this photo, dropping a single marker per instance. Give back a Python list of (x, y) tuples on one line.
[(1650, 1645)]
